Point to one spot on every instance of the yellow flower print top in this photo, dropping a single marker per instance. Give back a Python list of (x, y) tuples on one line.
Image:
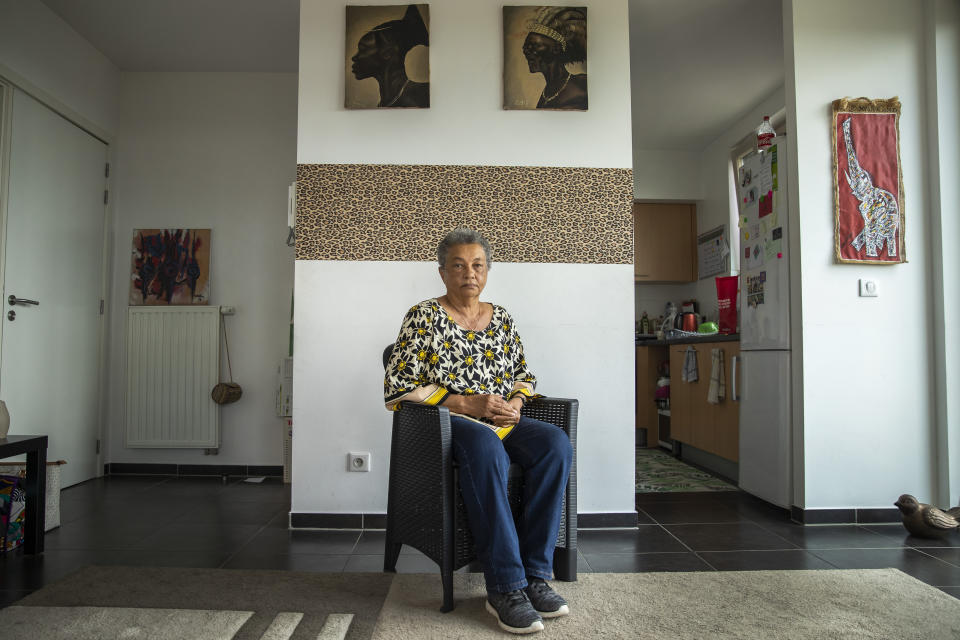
[(433, 357)]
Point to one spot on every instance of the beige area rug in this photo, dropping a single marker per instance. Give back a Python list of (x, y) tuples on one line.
[(767, 605), (218, 604)]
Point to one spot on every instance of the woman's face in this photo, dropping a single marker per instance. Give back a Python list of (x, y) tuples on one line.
[(538, 49), (465, 273), (366, 62)]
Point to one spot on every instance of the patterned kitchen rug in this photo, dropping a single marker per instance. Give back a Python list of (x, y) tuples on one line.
[(659, 472)]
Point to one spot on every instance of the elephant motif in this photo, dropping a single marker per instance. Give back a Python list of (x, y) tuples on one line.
[(878, 207)]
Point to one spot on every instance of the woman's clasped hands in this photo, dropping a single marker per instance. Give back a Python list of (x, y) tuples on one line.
[(503, 412)]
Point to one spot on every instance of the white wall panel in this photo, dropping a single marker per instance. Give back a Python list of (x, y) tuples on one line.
[(576, 322), (465, 123), (867, 367)]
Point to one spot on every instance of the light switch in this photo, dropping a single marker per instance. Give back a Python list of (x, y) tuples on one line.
[(869, 288)]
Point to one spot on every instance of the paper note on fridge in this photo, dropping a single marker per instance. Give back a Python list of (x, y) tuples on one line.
[(772, 248), (754, 254)]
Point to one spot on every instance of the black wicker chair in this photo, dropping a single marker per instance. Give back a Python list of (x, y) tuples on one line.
[(424, 507)]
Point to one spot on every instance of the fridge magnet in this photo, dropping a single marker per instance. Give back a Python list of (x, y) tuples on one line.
[(755, 289), (170, 267), (766, 204), (387, 58), (545, 58), (868, 181)]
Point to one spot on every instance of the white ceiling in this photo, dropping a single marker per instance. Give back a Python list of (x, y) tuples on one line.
[(696, 65), (189, 35)]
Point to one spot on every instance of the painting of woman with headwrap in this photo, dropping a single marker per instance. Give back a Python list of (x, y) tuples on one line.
[(545, 58), (387, 61)]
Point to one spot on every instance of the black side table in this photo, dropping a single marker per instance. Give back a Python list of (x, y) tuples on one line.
[(36, 508)]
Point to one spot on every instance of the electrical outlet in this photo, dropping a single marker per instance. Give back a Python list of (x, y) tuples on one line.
[(869, 288), (358, 461)]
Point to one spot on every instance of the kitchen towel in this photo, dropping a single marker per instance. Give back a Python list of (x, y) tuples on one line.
[(718, 379), (690, 373)]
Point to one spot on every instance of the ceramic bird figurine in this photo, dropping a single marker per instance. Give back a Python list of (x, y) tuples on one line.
[(925, 521)]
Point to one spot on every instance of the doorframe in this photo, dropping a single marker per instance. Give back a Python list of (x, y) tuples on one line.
[(11, 81), (6, 129)]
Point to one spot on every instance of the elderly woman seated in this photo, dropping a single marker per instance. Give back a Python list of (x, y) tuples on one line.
[(466, 354)]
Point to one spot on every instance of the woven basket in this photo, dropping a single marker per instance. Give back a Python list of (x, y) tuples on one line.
[(226, 392)]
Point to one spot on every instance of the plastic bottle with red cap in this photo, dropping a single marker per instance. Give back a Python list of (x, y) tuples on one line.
[(765, 135)]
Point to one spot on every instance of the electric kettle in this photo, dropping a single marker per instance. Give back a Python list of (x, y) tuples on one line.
[(686, 322)]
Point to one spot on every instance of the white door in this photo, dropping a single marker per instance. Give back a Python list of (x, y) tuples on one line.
[(53, 254)]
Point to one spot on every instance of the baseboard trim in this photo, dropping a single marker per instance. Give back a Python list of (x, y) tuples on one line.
[(379, 520), (606, 520), (155, 469), (844, 516), (338, 520)]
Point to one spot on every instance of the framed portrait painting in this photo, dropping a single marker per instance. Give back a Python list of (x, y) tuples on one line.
[(387, 57), (868, 181), (545, 58), (170, 267)]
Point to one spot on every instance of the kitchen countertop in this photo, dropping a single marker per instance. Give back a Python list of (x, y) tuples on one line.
[(710, 337)]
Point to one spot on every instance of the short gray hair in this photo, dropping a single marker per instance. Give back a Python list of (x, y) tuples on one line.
[(462, 235)]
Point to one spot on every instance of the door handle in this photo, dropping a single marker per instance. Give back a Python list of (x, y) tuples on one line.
[(733, 374), (14, 300)]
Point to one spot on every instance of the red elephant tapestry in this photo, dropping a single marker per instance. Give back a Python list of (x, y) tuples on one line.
[(868, 181)]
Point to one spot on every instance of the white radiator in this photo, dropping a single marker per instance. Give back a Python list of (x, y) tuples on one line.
[(172, 357)]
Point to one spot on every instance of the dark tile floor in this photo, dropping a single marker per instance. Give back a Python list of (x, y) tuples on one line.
[(204, 522)]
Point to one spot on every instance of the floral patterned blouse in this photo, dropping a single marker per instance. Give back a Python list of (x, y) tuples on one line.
[(434, 357)]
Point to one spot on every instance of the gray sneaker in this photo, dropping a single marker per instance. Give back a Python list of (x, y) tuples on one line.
[(545, 600), (514, 612)]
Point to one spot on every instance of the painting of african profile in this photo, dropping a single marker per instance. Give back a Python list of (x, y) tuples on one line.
[(170, 266), (868, 181), (387, 57), (545, 58)]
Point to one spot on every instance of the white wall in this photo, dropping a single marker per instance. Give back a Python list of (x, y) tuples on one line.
[(340, 406), (465, 125), (211, 150), (867, 365), (662, 174), (943, 87), (36, 45)]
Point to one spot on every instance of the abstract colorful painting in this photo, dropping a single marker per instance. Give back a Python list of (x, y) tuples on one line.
[(170, 267), (545, 58), (387, 57), (868, 181)]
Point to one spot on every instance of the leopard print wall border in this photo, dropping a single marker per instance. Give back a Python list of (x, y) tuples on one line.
[(400, 212)]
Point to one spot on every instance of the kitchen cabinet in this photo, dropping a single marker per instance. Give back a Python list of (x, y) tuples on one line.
[(664, 242), (714, 428), (648, 358)]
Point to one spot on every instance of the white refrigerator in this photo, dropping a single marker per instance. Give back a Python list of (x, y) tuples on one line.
[(764, 362)]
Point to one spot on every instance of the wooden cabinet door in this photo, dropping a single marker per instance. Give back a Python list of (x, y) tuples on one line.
[(702, 431), (664, 242), (714, 428), (727, 413)]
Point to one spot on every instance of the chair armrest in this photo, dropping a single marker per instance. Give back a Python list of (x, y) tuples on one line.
[(421, 470), (561, 412)]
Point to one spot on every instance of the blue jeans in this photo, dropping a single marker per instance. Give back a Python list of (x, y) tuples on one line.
[(510, 552)]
